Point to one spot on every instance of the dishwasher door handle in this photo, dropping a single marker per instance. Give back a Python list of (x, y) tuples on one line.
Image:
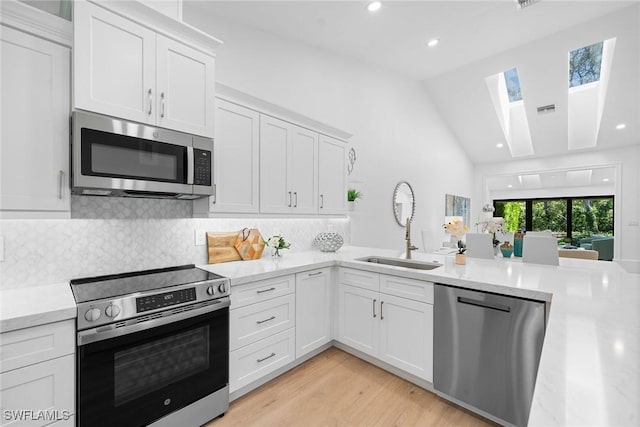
[(484, 304)]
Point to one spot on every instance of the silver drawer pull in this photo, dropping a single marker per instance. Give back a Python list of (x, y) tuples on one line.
[(266, 290), (381, 316), (265, 358), (317, 273), (374, 307), (265, 320)]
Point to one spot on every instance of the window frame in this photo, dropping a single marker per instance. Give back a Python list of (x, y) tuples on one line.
[(528, 214)]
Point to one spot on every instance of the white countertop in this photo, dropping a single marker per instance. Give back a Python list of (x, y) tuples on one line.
[(589, 372), (36, 305)]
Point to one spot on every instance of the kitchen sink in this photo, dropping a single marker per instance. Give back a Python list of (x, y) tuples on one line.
[(397, 262)]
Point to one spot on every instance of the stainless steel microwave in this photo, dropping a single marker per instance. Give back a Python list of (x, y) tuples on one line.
[(114, 157)]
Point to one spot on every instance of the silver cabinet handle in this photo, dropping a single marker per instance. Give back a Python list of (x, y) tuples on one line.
[(162, 104), (266, 290), (265, 320), (295, 194), (317, 273), (381, 316), (60, 184), (265, 358), (321, 201), (150, 101), (215, 195), (289, 198), (374, 307)]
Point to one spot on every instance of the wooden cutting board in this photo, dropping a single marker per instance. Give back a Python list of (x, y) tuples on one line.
[(220, 246), (249, 244)]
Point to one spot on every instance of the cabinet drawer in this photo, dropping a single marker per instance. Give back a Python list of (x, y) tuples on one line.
[(27, 346), (45, 386), (253, 322), (263, 290), (360, 278), (418, 290), (256, 360)]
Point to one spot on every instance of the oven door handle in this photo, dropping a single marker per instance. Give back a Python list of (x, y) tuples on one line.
[(102, 333)]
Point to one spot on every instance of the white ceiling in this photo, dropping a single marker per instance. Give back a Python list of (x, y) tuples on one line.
[(588, 177), (477, 39), (395, 37)]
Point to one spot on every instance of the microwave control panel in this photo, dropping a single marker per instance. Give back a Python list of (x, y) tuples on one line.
[(202, 167)]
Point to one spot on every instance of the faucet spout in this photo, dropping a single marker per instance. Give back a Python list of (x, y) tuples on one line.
[(407, 238)]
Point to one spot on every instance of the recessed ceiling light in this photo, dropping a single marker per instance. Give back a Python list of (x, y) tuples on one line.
[(509, 186), (374, 5), (433, 42), (605, 179), (500, 145), (621, 126)]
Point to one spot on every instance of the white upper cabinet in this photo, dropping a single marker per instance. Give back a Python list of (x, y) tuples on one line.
[(185, 87), (128, 70), (236, 159), (331, 176), (35, 94), (114, 64), (288, 167)]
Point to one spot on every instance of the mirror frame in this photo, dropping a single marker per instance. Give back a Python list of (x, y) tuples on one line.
[(396, 214)]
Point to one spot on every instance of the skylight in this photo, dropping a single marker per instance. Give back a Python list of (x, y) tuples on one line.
[(513, 85), (585, 64)]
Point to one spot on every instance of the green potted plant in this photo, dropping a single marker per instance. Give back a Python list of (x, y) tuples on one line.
[(352, 196)]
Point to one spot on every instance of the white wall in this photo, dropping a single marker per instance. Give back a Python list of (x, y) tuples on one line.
[(398, 133), (627, 190)]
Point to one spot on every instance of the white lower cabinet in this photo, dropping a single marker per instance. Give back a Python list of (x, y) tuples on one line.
[(396, 330), (254, 322), (313, 310), (253, 361), (37, 382)]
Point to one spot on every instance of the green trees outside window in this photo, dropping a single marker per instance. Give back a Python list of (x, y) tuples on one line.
[(570, 219)]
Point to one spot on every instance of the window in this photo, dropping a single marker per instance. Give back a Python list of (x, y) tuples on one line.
[(570, 219), (513, 85), (584, 64)]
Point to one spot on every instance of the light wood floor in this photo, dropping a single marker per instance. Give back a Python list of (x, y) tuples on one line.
[(338, 389)]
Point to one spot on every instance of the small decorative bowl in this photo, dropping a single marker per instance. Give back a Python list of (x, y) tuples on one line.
[(328, 241), (506, 252)]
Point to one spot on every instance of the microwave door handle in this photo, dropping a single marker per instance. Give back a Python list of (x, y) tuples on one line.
[(190, 165)]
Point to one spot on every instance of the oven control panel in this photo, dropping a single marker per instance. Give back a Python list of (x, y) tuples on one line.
[(165, 299), (93, 314)]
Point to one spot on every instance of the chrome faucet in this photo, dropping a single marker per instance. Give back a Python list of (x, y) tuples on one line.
[(407, 237)]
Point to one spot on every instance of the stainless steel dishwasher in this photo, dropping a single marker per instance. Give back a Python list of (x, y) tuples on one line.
[(487, 350)]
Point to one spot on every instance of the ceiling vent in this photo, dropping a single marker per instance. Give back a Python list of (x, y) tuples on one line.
[(521, 4), (546, 109)]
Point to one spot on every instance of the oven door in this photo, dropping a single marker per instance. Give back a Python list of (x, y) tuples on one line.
[(136, 378)]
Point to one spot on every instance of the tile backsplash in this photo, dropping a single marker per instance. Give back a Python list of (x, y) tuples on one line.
[(108, 236)]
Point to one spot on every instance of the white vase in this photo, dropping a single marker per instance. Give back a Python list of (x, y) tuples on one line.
[(351, 206)]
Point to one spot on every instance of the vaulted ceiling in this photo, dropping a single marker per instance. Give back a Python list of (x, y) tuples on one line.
[(477, 39)]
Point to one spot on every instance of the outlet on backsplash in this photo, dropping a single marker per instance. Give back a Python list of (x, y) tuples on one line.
[(200, 237)]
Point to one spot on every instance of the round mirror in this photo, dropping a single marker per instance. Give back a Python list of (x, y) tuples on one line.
[(403, 203)]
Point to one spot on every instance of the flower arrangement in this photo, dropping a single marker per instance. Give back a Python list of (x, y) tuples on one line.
[(276, 243), (457, 229), (493, 225)]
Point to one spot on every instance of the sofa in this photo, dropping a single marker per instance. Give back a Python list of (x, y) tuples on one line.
[(602, 244)]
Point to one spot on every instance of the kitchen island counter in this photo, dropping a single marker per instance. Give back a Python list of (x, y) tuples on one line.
[(589, 371)]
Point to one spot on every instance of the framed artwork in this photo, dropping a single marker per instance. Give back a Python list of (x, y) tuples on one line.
[(457, 207)]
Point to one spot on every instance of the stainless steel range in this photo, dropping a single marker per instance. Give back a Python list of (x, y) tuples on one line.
[(153, 347)]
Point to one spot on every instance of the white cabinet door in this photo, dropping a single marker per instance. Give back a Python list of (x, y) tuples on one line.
[(114, 64), (358, 323), (275, 139), (236, 168), (45, 386), (313, 310), (304, 170), (406, 335), (185, 87), (331, 176), (35, 93)]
